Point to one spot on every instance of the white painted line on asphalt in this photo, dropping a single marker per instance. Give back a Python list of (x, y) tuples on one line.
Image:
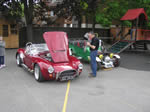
[(130, 105), (66, 97)]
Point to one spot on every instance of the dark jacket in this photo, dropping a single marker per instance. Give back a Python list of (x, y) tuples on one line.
[(95, 42)]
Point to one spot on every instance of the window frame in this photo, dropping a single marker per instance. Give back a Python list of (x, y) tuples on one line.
[(13, 29), (5, 31)]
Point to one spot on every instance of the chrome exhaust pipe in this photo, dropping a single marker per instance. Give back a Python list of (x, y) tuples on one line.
[(25, 66)]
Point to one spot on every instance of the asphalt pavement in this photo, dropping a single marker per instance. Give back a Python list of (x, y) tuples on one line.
[(122, 89)]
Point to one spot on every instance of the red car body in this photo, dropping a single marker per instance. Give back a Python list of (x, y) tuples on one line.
[(50, 61)]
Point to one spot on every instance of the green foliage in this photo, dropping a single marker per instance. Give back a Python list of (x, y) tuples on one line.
[(105, 12), (12, 9), (103, 20), (83, 5), (16, 10), (110, 11), (127, 23)]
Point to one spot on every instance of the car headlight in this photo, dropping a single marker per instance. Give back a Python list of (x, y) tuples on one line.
[(107, 59), (111, 55), (80, 66), (50, 69), (101, 56)]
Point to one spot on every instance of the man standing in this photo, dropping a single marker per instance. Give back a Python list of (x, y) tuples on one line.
[(2, 52), (94, 45)]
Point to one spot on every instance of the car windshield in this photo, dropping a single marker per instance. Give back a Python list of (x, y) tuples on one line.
[(34, 49), (40, 47)]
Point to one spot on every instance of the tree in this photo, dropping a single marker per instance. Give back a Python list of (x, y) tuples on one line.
[(11, 9), (45, 13), (16, 9), (141, 4), (68, 9), (78, 8), (91, 10), (28, 13), (110, 11)]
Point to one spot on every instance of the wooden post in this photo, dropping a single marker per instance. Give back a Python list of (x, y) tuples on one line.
[(137, 21), (131, 33), (121, 30)]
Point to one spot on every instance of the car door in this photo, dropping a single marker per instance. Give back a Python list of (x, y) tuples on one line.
[(28, 59)]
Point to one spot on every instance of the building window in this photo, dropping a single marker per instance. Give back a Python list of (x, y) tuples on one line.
[(5, 30), (13, 29)]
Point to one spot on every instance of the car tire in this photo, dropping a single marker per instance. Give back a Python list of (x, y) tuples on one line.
[(18, 60), (38, 74), (117, 62)]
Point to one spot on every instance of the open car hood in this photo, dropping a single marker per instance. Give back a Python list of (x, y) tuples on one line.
[(57, 43)]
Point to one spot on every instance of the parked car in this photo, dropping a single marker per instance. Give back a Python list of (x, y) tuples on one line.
[(51, 60), (104, 59)]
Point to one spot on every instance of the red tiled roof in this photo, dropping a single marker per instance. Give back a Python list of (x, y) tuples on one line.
[(132, 14)]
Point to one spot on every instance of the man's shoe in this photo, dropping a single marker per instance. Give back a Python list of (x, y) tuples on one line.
[(2, 66), (91, 75)]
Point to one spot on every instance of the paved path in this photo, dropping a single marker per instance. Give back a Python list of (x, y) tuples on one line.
[(122, 89)]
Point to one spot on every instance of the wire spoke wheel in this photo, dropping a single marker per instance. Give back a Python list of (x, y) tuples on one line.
[(37, 73), (18, 60)]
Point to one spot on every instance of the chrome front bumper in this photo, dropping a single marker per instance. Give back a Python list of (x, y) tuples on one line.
[(67, 75)]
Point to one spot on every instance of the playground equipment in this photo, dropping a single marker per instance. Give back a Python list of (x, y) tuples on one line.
[(137, 36)]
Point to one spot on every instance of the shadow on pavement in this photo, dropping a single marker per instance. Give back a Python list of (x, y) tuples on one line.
[(136, 60)]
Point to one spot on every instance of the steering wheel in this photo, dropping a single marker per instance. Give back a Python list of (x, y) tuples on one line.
[(28, 44), (28, 47)]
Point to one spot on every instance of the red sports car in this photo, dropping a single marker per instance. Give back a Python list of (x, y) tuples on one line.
[(50, 61)]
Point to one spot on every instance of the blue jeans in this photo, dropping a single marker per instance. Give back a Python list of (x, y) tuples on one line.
[(1, 60), (93, 55)]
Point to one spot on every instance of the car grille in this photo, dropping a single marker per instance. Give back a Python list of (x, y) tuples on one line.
[(68, 73)]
